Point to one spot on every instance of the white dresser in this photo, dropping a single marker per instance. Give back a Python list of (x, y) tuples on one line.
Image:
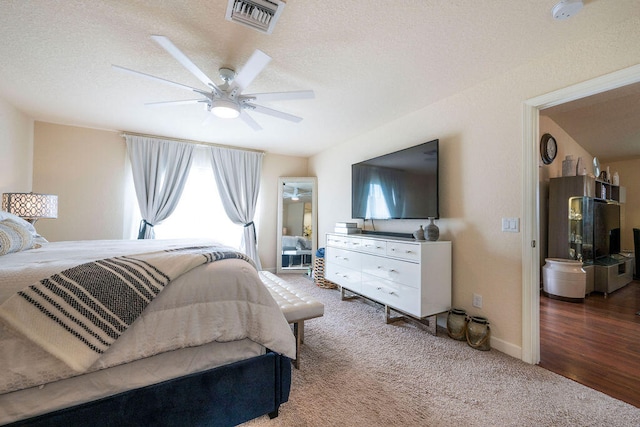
[(412, 277)]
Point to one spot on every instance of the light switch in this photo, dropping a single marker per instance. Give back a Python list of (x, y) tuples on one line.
[(511, 225)]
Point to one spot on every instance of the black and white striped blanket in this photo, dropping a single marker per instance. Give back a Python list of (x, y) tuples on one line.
[(78, 313)]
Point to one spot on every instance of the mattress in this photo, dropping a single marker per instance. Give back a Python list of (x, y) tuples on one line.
[(219, 302)]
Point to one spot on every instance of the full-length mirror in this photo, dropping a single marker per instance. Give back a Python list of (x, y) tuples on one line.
[(297, 224)]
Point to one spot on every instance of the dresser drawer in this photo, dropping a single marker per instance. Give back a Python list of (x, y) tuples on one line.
[(343, 257), (337, 241), (408, 251), (398, 296), (343, 276), (343, 241), (373, 246), (404, 272)]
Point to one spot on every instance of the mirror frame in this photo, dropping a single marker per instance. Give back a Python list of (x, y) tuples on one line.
[(314, 221)]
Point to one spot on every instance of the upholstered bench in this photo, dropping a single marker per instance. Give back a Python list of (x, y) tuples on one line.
[(295, 305)]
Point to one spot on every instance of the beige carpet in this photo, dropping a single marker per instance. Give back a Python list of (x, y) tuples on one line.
[(358, 371)]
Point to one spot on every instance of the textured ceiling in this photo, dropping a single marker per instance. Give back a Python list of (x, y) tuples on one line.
[(367, 61), (607, 125)]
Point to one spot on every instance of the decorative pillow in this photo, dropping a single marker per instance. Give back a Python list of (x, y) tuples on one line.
[(14, 237), (15, 218)]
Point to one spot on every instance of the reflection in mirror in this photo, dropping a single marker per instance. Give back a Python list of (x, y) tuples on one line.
[(297, 240)]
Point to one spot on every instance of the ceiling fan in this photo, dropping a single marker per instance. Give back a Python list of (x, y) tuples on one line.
[(226, 100), (295, 193)]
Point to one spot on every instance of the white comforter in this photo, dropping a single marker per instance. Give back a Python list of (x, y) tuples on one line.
[(222, 301)]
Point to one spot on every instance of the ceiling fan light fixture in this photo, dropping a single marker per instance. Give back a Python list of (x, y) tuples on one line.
[(225, 109)]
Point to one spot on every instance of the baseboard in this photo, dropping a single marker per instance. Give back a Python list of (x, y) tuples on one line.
[(506, 348)]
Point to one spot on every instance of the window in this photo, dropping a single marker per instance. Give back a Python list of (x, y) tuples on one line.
[(200, 213)]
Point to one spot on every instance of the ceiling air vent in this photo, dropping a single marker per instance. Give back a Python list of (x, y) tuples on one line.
[(260, 15)]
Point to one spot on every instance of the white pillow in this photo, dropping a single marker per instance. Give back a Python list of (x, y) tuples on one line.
[(14, 237), (15, 218)]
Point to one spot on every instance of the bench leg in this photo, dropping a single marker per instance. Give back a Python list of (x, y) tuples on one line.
[(301, 331), (297, 327)]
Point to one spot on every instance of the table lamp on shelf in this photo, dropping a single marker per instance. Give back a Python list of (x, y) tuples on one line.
[(31, 206)]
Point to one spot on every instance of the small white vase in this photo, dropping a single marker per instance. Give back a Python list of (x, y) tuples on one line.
[(419, 234)]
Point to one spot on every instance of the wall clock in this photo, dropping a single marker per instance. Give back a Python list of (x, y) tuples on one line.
[(548, 148)]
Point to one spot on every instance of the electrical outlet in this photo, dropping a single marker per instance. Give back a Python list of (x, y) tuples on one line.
[(477, 301)]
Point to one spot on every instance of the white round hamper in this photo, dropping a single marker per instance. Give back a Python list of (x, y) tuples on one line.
[(564, 279)]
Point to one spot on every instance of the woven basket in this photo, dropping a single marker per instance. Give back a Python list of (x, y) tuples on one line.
[(318, 275)]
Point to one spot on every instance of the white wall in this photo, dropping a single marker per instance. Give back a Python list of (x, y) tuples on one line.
[(16, 149), (86, 169), (481, 134)]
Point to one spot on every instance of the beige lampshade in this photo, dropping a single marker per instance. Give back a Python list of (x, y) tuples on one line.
[(31, 205)]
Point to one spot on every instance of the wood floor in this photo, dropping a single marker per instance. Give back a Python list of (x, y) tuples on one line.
[(596, 343)]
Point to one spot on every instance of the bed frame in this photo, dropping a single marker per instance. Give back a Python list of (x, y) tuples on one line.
[(223, 396)]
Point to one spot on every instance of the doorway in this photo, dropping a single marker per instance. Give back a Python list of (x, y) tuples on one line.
[(531, 197)]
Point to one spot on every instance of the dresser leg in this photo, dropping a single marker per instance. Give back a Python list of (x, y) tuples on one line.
[(344, 296), (389, 318), (429, 324)]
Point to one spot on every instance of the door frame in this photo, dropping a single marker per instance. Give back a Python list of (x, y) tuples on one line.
[(531, 194)]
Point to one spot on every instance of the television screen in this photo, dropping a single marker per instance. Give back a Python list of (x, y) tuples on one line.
[(399, 185), (606, 229)]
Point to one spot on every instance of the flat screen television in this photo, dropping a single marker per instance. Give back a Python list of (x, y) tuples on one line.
[(398, 185), (606, 229)]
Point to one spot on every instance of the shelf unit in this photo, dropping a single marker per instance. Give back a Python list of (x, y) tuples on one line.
[(561, 221), (572, 221)]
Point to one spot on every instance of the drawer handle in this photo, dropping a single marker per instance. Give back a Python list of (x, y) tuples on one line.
[(408, 251)]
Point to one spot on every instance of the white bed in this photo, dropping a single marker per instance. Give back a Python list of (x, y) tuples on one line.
[(211, 315)]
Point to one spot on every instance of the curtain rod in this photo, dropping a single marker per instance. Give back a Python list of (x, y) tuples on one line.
[(190, 141)]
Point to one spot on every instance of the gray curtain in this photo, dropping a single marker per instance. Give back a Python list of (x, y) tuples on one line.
[(160, 169), (237, 174)]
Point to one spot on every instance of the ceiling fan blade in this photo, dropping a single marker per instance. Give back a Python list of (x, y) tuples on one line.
[(282, 96), (251, 69), (250, 121), (275, 113), (170, 103), (185, 61), (149, 76)]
